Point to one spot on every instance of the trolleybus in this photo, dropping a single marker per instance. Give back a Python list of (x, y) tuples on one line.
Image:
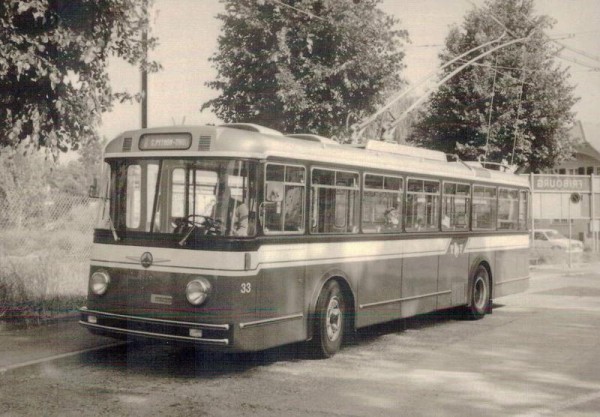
[(241, 238)]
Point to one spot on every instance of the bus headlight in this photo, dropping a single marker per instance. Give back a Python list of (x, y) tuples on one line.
[(197, 291), (99, 282)]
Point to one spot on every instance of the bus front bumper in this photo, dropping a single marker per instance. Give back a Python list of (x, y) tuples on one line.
[(125, 326)]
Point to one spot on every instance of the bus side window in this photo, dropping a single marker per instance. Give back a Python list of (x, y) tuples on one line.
[(508, 208), (335, 201), (283, 208), (484, 207), (455, 206), (382, 204), (422, 205)]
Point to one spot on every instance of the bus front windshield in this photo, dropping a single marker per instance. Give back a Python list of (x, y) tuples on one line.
[(177, 196)]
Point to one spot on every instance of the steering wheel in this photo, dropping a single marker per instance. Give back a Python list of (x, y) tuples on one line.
[(207, 225)]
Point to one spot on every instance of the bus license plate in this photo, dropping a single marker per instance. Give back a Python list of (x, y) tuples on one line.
[(161, 299)]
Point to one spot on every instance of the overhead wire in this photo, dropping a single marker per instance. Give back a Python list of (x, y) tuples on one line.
[(312, 15)]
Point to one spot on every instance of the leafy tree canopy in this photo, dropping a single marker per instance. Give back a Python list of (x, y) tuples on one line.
[(513, 105), (305, 65), (53, 66)]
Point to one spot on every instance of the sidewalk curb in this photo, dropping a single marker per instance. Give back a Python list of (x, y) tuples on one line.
[(558, 270)]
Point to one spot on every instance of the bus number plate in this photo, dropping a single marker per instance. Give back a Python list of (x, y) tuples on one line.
[(161, 299)]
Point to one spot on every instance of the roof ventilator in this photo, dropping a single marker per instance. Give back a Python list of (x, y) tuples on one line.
[(204, 143), (127, 144)]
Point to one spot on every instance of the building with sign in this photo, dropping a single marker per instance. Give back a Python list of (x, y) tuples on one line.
[(586, 160), (553, 206)]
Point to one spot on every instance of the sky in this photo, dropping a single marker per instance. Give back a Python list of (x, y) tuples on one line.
[(188, 32)]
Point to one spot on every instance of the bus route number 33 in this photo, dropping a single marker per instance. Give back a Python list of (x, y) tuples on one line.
[(246, 288)]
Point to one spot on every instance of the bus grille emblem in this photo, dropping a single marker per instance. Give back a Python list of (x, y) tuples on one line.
[(146, 259)]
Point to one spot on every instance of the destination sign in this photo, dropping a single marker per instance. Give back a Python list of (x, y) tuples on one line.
[(167, 141), (562, 183)]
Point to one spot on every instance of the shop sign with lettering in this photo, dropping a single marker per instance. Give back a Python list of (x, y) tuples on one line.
[(561, 183)]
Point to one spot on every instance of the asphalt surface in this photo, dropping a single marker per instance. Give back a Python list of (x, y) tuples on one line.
[(536, 355)]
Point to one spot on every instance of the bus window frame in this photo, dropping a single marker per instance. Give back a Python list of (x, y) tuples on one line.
[(494, 221), (524, 225), (438, 227), (263, 203), (358, 188), (400, 193), (468, 226), (516, 221)]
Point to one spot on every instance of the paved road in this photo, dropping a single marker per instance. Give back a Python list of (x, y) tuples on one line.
[(537, 355)]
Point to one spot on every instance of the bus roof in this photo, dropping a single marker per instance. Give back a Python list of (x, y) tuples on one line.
[(254, 141)]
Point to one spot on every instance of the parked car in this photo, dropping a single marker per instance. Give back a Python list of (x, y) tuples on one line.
[(550, 239)]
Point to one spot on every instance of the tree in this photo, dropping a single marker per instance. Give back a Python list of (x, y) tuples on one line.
[(513, 105), (305, 65), (53, 66), (75, 177), (23, 188)]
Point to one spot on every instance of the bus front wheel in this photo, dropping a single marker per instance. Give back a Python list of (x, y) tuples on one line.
[(329, 320), (480, 297)]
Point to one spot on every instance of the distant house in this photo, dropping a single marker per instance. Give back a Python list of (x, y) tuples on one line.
[(552, 207), (587, 155)]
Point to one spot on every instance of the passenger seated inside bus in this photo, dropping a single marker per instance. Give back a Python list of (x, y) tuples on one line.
[(240, 220), (445, 221), (392, 218)]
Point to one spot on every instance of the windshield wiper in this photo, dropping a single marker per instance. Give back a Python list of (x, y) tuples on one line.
[(113, 230)]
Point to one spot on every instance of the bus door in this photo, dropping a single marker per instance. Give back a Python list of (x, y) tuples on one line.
[(421, 251), (379, 289), (454, 264), (282, 215)]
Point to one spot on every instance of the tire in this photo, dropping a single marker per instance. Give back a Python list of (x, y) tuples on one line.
[(329, 323), (480, 296)]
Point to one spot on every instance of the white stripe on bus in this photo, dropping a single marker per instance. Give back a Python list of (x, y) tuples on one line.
[(292, 255)]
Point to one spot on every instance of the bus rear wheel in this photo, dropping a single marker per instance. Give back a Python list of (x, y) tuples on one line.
[(329, 320), (480, 297)]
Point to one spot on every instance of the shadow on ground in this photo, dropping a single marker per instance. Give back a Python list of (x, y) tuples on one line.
[(191, 362)]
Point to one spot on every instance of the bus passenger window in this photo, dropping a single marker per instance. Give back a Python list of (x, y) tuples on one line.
[(382, 204), (456, 204), (484, 207), (335, 201), (508, 209), (283, 208), (422, 205)]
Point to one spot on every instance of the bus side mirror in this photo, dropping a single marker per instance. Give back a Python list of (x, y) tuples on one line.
[(93, 190)]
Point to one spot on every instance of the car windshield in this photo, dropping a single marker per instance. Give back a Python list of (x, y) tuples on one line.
[(215, 196), (553, 234)]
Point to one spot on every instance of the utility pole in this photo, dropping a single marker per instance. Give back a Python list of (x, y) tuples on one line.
[(144, 102)]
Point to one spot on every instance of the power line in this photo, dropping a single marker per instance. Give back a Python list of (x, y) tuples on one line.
[(573, 34), (578, 62), (360, 127), (562, 45), (314, 16)]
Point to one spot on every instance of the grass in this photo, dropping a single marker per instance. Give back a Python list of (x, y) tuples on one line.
[(44, 267), (35, 290)]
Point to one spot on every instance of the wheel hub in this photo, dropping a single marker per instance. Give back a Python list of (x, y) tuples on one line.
[(333, 320)]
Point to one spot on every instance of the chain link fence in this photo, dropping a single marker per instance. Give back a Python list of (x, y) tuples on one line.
[(45, 244)]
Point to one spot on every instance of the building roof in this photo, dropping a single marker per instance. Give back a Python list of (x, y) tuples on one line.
[(588, 135)]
